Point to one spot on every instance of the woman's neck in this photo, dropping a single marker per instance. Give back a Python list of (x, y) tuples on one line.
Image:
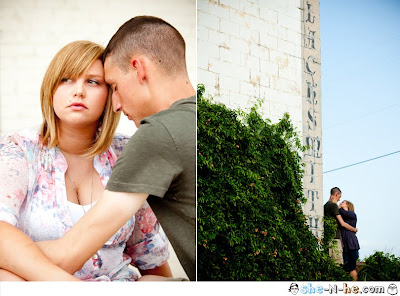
[(75, 141)]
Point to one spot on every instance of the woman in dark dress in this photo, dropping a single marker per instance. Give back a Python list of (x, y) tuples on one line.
[(349, 238)]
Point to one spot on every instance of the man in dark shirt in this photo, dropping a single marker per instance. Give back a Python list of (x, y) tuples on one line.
[(331, 209)]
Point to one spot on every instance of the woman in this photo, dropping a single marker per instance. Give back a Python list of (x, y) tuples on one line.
[(349, 238), (50, 178)]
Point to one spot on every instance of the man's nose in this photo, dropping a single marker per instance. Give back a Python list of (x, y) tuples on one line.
[(116, 103)]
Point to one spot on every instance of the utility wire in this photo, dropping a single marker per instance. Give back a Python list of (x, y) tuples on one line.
[(363, 116), (350, 165)]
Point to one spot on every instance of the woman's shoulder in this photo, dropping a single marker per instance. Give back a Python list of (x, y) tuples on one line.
[(347, 214), (25, 139), (119, 143)]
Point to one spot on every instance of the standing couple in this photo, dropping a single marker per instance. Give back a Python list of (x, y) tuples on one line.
[(63, 214), (345, 249)]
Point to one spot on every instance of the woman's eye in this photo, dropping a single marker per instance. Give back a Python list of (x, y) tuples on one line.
[(65, 80), (93, 81)]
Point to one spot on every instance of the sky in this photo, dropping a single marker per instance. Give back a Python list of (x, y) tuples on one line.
[(360, 68)]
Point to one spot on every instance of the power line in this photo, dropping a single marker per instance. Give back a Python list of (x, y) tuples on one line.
[(362, 116), (350, 165)]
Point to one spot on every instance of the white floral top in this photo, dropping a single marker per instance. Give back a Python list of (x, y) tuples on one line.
[(33, 198)]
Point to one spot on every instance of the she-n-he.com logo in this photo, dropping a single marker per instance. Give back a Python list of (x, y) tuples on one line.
[(346, 289)]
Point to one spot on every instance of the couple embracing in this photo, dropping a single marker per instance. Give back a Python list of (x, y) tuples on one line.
[(346, 246), (78, 202)]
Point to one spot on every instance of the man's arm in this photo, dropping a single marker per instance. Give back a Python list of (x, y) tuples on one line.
[(346, 225), (20, 256), (92, 231)]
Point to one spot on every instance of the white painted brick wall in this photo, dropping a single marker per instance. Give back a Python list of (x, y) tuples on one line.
[(259, 54), (32, 31)]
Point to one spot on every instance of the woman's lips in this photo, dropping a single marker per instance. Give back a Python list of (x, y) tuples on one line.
[(77, 106)]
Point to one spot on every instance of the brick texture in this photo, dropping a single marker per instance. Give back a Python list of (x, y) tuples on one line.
[(260, 53)]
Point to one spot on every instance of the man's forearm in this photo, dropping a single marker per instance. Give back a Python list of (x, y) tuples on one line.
[(20, 255), (93, 230)]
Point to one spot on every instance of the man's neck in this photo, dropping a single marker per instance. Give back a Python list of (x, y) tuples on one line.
[(170, 91)]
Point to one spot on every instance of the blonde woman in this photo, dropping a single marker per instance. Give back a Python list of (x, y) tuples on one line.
[(349, 238), (49, 178)]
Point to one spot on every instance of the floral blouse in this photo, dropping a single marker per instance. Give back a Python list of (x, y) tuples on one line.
[(33, 198)]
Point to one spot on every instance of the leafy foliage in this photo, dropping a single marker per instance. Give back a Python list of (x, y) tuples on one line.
[(380, 267), (250, 220)]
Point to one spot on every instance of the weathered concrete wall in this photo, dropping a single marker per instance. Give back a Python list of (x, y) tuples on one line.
[(250, 49)]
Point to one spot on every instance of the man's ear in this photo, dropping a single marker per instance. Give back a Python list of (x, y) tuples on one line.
[(139, 66)]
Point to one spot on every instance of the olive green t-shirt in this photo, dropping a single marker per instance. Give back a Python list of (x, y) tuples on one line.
[(331, 209), (160, 160)]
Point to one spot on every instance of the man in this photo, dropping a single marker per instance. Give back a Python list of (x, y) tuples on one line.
[(331, 209), (145, 65)]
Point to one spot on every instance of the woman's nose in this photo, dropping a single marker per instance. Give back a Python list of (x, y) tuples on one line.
[(79, 90)]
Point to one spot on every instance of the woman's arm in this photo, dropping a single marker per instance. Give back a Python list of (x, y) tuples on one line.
[(347, 215), (346, 225), (163, 270), (20, 256), (6, 276), (18, 253), (148, 245)]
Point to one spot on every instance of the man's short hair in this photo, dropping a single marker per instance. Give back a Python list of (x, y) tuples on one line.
[(335, 190), (152, 37)]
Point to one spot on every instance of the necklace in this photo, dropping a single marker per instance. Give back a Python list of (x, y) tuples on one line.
[(76, 192)]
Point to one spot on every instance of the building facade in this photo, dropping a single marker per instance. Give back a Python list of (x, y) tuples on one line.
[(269, 50)]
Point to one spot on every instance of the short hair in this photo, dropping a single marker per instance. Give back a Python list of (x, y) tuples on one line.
[(335, 190), (350, 205), (72, 61), (293, 285), (152, 37)]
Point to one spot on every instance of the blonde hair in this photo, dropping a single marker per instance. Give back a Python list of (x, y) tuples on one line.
[(350, 205), (72, 61)]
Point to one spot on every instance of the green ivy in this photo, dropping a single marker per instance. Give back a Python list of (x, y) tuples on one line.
[(380, 267), (249, 203)]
